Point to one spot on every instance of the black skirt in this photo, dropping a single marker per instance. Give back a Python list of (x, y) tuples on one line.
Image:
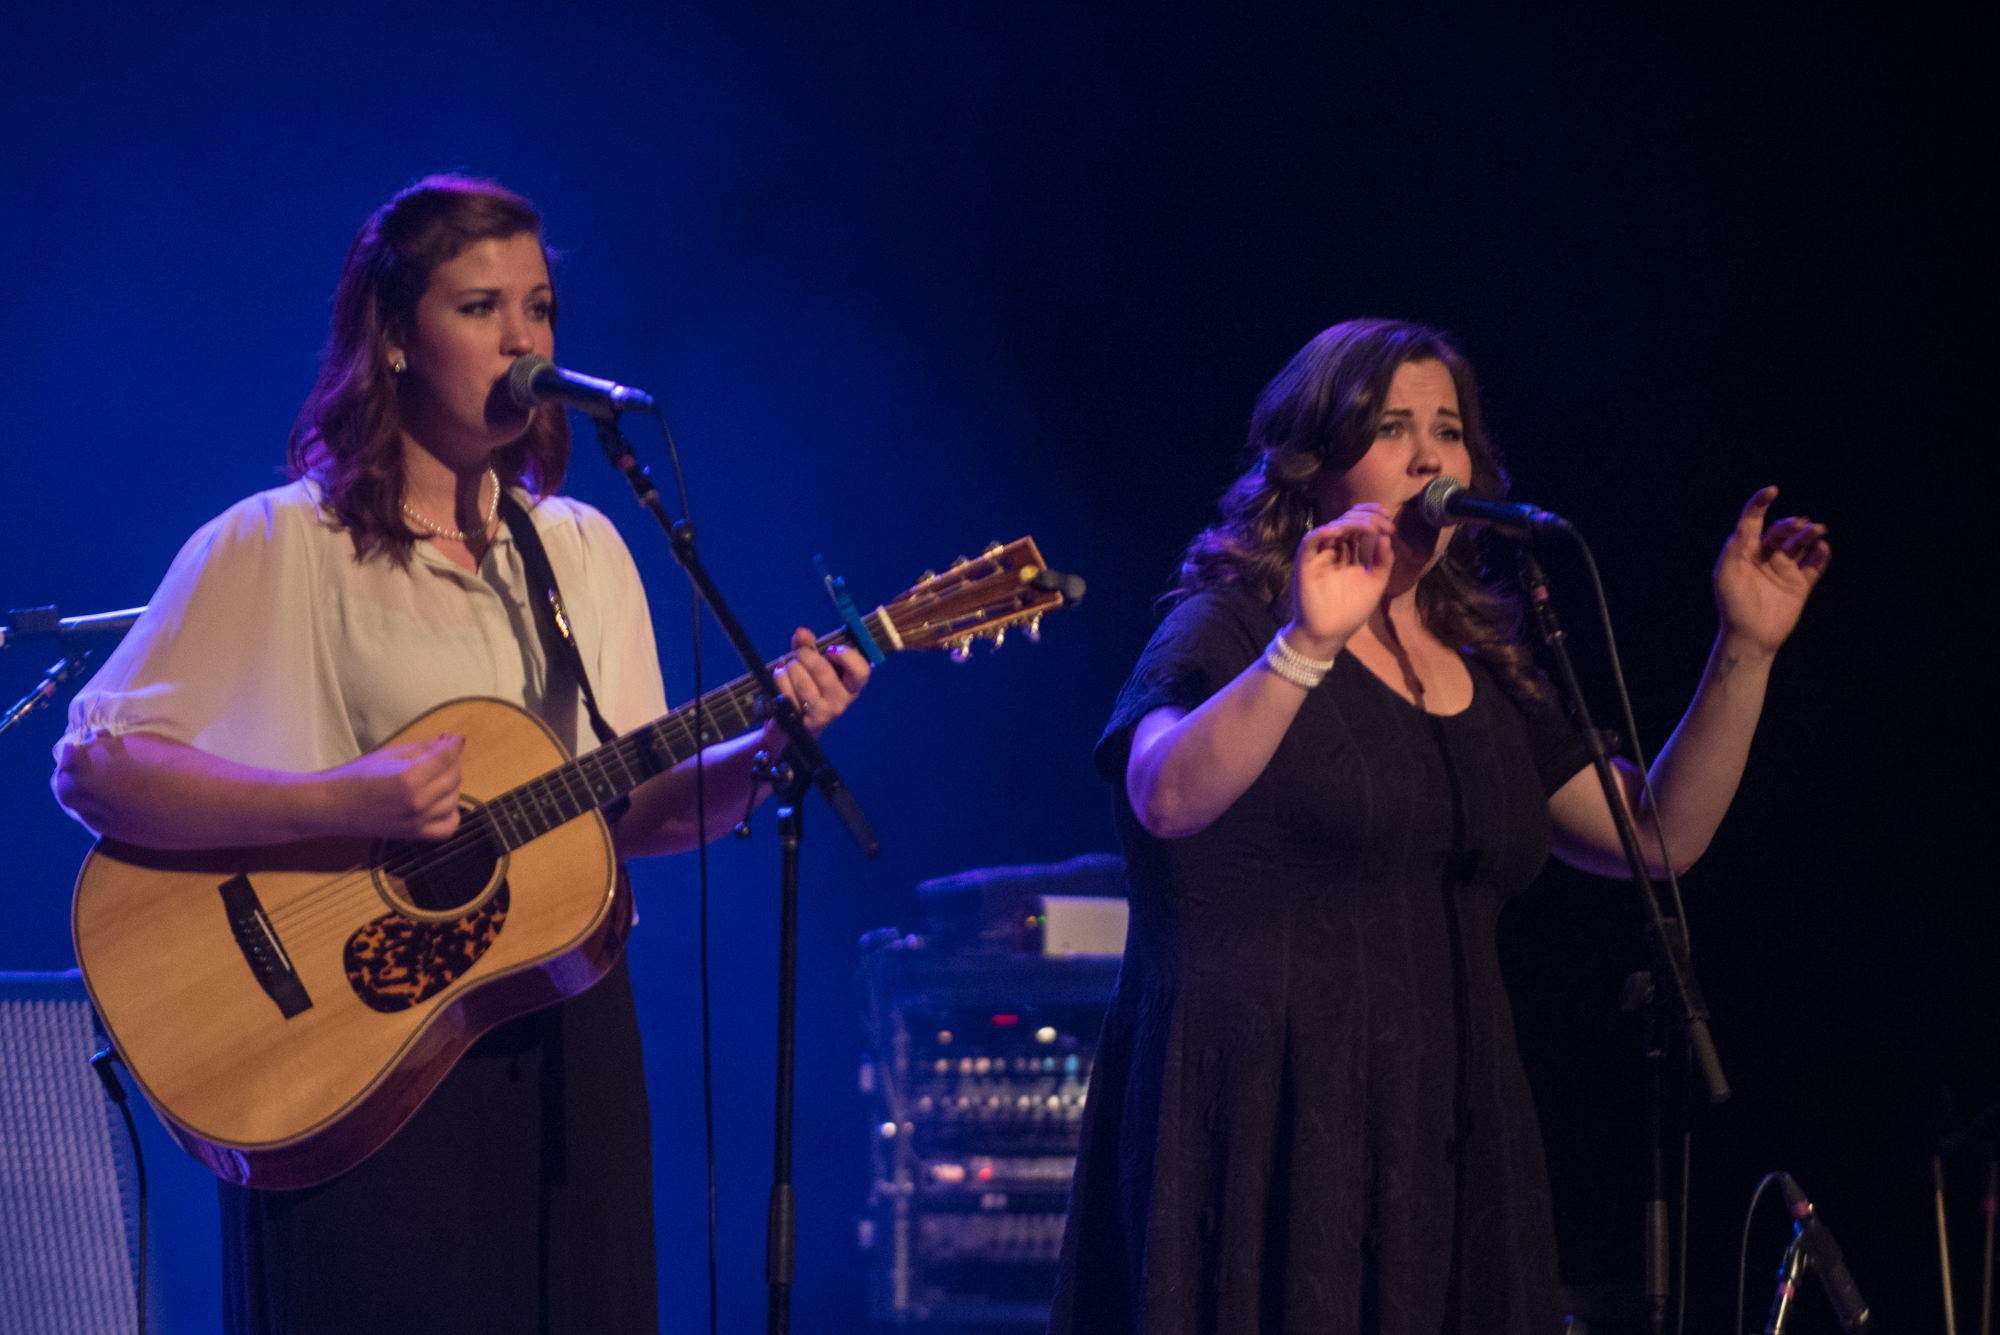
[(518, 1199)]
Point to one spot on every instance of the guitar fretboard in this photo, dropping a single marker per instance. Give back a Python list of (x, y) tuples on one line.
[(566, 792)]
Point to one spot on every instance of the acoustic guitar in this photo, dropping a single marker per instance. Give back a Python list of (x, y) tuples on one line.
[(285, 1009)]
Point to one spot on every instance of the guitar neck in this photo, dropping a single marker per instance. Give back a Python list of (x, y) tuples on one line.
[(978, 597), (611, 771)]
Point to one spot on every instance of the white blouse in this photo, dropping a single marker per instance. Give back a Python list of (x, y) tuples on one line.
[(269, 644)]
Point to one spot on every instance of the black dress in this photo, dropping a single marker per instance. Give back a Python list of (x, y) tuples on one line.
[(518, 1199), (1307, 1113)]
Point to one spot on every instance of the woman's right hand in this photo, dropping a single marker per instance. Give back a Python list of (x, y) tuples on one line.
[(1341, 573), (400, 792)]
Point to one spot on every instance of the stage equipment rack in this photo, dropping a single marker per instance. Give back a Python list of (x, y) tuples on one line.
[(980, 1047)]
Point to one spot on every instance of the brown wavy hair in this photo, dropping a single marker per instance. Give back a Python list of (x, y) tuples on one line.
[(349, 435), (1321, 412)]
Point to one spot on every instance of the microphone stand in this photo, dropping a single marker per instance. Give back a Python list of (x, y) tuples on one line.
[(780, 1229), (807, 767), (1638, 995), (1666, 945), (45, 623), (1980, 1134)]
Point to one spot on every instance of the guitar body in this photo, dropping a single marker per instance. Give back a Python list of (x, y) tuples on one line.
[(286, 1009)]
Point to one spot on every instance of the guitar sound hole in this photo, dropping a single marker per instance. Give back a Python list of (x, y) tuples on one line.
[(441, 877)]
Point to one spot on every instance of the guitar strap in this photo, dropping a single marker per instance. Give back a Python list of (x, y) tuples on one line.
[(552, 619)]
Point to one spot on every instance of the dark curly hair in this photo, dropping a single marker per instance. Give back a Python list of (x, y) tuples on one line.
[(348, 436), (1321, 412)]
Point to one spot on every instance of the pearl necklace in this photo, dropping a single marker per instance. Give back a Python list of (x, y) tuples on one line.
[(438, 531)]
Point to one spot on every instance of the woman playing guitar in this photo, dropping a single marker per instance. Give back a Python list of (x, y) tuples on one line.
[(297, 633)]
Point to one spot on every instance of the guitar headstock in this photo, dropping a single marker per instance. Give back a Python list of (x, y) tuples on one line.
[(981, 597)]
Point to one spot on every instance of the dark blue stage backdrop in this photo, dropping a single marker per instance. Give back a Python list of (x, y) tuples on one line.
[(910, 278)]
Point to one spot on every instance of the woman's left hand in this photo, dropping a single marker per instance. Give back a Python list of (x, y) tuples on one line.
[(1764, 575), (821, 685)]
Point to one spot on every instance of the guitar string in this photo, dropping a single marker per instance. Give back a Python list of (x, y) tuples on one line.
[(333, 903), (526, 808), (306, 913), (739, 696), (306, 918), (536, 808), (539, 796), (527, 805), (471, 847), (526, 812)]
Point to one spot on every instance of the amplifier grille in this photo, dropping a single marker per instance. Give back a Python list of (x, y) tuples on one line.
[(68, 1224)]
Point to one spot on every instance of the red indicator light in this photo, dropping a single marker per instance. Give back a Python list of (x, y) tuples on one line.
[(986, 1173), (1006, 1019)]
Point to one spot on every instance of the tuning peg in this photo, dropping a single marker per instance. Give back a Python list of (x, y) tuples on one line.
[(1033, 629), (999, 637), (993, 549), (1069, 586)]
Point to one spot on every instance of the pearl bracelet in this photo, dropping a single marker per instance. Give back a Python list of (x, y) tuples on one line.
[(1294, 666)]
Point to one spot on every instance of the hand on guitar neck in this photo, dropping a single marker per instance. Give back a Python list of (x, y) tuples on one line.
[(662, 819)]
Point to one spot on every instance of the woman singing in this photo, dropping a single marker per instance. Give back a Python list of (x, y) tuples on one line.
[(1336, 763), (302, 628)]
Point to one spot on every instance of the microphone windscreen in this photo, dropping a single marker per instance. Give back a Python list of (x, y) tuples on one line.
[(521, 380), (1436, 496)]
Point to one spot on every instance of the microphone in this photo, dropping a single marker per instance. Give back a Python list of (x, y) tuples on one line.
[(1445, 499), (1817, 1241), (46, 623), (534, 380)]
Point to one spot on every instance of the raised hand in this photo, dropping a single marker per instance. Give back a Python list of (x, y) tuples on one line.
[(1342, 571), (1765, 574), (402, 792)]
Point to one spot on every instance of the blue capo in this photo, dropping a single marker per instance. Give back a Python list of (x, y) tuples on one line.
[(836, 589)]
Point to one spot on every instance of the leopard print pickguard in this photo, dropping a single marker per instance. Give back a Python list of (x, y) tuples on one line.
[(393, 962)]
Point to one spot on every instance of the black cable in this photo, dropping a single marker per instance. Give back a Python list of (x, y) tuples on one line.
[(139, 1164), (707, 1052), (1743, 1255), (701, 854), (1632, 731), (674, 457), (100, 1062)]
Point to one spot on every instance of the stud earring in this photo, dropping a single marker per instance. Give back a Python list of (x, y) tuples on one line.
[(397, 364)]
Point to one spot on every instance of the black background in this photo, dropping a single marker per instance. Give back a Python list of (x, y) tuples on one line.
[(913, 278)]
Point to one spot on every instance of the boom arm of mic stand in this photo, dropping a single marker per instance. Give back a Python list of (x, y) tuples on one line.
[(805, 748), (1664, 940)]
